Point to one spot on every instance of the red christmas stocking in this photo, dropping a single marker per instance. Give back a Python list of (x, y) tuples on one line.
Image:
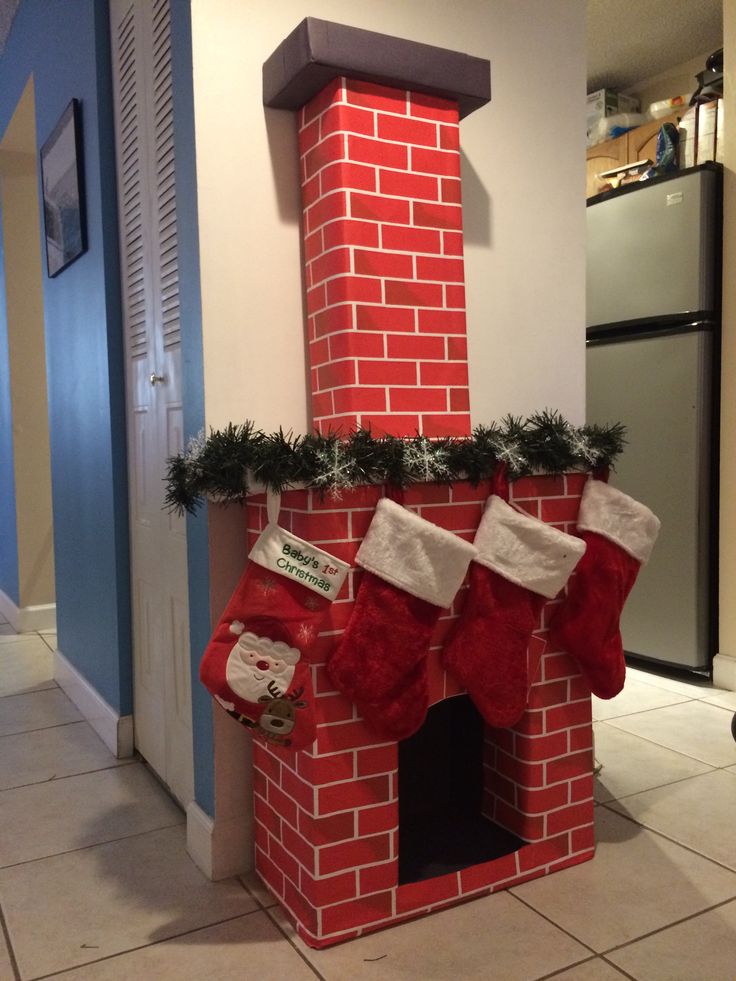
[(620, 534), (521, 562), (413, 570), (256, 664)]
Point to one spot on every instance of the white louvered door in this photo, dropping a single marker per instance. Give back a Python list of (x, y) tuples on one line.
[(141, 43)]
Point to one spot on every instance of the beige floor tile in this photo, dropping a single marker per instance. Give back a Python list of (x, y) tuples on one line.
[(701, 949), (49, 818), (637, 882), (26, 664), (37, 710), (726, 699), (695, 729), (631, 764), (463, 942), (256, 888), (636, 697), (70, 909), (594, 970), (247, 947), (698, 812), (692, 686), (49, 754)]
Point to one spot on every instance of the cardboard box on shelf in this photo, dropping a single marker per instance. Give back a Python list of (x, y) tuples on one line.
[(688, 138), (605, 102), (706, 136), (602, 103), (628, 103), (719, 132)]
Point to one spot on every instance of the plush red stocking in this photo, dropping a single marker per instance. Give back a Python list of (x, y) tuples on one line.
[(413, 570), (256, 663), (620, 534), (521, 562)]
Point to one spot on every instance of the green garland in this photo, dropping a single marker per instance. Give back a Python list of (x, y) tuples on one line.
[(220, 465)]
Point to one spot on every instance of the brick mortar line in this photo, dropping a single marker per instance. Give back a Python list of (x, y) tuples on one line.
[(390, 279), (391, 306), (379, 249), (382, 361), (375, 221), (375, 111)]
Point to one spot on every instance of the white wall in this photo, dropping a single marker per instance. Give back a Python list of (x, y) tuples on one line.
[(523, 186)]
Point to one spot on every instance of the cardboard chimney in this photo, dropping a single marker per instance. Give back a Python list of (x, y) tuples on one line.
[(356, 833)]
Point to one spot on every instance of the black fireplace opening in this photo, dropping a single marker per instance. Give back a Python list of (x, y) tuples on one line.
[(442, 828)]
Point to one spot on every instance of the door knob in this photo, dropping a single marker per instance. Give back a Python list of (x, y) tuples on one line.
[(154, 378)]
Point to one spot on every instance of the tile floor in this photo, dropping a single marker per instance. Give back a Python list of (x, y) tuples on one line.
[(96, 885)]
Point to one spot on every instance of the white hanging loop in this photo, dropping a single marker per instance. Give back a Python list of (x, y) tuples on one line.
[(273, 506)]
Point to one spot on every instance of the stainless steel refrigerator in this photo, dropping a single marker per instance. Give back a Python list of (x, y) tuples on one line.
[(653, 343)]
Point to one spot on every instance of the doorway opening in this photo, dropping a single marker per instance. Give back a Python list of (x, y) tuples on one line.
[(444, 794), (28, 598)]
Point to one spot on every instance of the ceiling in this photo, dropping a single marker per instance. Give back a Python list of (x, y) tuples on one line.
[(633, 40), (628, 40), (7, 13)]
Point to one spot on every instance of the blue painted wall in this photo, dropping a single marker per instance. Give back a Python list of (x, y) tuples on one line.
[(8, 536), (193, 389), (66, 48)]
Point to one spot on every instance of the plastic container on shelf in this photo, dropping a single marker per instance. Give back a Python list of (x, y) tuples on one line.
[(666, 106), (605, 128)]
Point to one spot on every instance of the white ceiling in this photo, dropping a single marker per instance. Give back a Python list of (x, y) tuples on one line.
[(628, 40), (633, 40)]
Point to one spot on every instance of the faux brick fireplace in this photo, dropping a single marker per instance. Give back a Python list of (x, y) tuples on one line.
[(327, 819), (336, 825)]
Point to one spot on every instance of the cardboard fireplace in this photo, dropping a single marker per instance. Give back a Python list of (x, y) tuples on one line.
[(356, 833)]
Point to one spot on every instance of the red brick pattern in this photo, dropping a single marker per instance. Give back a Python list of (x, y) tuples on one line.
[(380, 171), (326, 819)]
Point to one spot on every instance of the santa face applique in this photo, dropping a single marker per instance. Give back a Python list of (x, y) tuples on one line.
[(259, 668)]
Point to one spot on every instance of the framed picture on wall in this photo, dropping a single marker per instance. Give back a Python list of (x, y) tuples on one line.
[(63, 191)]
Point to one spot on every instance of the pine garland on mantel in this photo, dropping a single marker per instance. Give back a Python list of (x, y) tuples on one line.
[(232, 462)]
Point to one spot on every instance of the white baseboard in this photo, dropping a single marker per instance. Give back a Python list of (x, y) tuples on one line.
[(116, 731), (219, 848), (724, 672), (27, 619)]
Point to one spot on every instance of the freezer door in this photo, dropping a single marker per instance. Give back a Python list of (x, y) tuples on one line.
[(651, 251), (659, 388)]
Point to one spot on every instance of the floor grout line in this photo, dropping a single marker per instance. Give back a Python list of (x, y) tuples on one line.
[(661, 786), (132, 950), (620, 970), (661, 834), (68, 776), (558, 972), (9, 944), (652, 742), (92, 844), (51, 686), (289, 940), (56, 725), (668, 926), (37, 691), (556, 925)]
